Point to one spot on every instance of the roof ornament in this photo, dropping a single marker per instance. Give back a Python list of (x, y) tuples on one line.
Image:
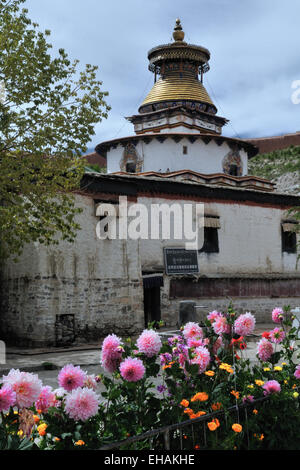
[(178, 34)]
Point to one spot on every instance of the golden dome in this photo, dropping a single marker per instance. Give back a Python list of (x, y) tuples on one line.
[(173, 88)]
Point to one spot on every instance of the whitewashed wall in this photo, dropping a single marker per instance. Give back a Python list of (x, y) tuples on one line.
[(168, 156), (249, 241), (97, 281)]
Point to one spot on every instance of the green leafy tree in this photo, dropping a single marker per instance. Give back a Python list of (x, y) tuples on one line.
[(48, 110)]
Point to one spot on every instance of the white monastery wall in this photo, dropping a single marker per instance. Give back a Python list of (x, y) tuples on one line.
[(168, 156), (94, 287)]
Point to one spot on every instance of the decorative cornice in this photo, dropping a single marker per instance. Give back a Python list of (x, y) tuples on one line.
[(251, 150), (133, 185)]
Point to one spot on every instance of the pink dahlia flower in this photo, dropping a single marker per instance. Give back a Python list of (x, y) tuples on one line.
[(277, 335), (201, 357), (111, 353), (277, 315), (7, 398), (132, 370), (195, 342), (212, 316), (297, 372), (81, 404), (244, 324), (149, 343), (221, 326), (264, 349), (46, 399), (26, 385), (71, 377), (272, 386), (192, 331)]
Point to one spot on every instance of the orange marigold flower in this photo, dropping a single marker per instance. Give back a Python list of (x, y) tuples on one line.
[(188, 411), (213, 425), (36, 418), (57, 439), (197, 415), (42, 429), (216, 406), (255, 411), (79, 443), (259, 382), (184, 403), (197, 447), (227, 367), (200, 396), (209, 373), (237, 427), (235, 394)]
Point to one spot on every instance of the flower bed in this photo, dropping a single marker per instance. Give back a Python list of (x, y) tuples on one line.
[(152, 383)]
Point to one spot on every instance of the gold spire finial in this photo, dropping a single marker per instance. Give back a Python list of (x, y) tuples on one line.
[(178, 34)]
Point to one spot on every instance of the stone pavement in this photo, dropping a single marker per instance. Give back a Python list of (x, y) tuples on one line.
[(87, 356)]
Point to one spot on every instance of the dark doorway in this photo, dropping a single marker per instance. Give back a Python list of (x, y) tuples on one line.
[(152, 305), (152, 311)]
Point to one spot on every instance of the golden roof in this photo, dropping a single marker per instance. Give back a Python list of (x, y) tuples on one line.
[(173, 87)]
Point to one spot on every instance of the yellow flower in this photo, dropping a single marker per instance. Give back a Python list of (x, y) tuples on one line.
[(250, 386), (42, 429), (295, 394), (227, 367), (259, 382), (266, 369), (20, 433), (277, 368), (284, 364)]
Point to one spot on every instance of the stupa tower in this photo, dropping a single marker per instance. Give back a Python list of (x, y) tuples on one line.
[(177, 128), (178, 101)]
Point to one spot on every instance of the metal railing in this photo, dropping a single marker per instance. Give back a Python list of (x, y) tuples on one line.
[(184, 435)]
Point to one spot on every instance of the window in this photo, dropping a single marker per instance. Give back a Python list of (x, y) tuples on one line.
[(184, 150), (105, 212), (211, 240), (288, 241), (130, 167), (233, 170)]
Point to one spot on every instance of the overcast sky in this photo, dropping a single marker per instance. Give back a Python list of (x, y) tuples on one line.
[(254, 46)]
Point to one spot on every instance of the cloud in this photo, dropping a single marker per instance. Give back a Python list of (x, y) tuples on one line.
[(254, 49)]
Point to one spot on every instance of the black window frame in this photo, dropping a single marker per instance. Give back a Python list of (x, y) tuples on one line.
[(288, 241), (211, 241)]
